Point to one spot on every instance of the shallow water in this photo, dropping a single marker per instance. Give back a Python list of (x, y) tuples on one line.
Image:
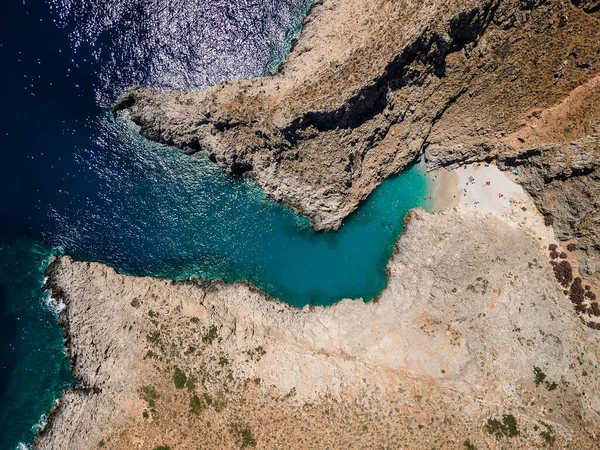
[(78, 182)]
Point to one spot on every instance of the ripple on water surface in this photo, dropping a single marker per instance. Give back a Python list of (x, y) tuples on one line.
[(165, 214), (190, 44), (94, 188)]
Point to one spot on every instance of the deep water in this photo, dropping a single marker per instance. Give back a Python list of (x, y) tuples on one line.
[(34, 367), (76, 181)]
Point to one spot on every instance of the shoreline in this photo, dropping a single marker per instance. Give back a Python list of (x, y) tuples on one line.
[(443, 188), (319, 353)]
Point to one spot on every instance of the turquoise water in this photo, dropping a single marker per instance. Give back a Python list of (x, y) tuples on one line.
[(77, 182), (167, 215), (34, 367), (164, 214)]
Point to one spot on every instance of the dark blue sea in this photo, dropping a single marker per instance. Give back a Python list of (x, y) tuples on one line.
[(76, 181)]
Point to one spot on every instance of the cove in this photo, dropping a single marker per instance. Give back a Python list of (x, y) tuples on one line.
[(168, 215), (77, 182)]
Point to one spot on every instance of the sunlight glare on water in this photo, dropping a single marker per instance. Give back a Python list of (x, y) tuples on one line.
[(175, 44)]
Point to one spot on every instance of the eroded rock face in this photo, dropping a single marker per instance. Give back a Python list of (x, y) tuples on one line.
[(371, 85), (564, 181), (563, 177), (470, 311)]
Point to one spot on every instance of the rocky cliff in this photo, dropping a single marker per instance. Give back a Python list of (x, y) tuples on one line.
[(371, 85), (471, 338)]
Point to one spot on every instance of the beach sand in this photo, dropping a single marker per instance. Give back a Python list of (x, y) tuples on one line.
[(444, 193), (468, 187), (476, 195), (514, 206)]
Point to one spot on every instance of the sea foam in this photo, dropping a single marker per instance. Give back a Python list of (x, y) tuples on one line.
[(53, 305)]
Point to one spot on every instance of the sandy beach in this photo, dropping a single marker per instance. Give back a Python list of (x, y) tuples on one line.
[(444, 192), (476, 187)]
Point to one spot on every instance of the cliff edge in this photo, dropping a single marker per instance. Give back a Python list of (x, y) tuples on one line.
[(372, 85), (472, 341)]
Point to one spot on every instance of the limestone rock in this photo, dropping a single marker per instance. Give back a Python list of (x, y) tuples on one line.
[(371, 85), (470, 310)]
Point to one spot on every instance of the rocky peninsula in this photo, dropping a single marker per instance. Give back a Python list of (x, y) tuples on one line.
[(472, 335), (487, 334), (372, 85)]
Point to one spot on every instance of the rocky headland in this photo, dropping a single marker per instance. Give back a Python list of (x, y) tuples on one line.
[(372, 85), (472, 341), (486, 335)]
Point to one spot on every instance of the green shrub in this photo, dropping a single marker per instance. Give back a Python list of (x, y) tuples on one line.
[(223, 361), (539, 375), (149, 395), (207, 399), (242, 434), (191, 384), (468, 445), (547, 435), (505, 428), (153, 337), (197, 405), (211, 335), (179, 378), (562, 21)]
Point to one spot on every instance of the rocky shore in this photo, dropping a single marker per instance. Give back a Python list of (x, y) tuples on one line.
[(371, 85), (472, 331)]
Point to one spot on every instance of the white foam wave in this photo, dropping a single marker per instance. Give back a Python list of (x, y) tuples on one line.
[(59, 249), (40, 423), (53, 305)]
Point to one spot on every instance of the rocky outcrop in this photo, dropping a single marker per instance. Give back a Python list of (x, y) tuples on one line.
[(589, 6), (563, 177), (472, 328), (371, 85), (564, 181)]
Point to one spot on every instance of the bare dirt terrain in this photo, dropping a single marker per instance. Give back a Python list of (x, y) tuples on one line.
[(473, 328)]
